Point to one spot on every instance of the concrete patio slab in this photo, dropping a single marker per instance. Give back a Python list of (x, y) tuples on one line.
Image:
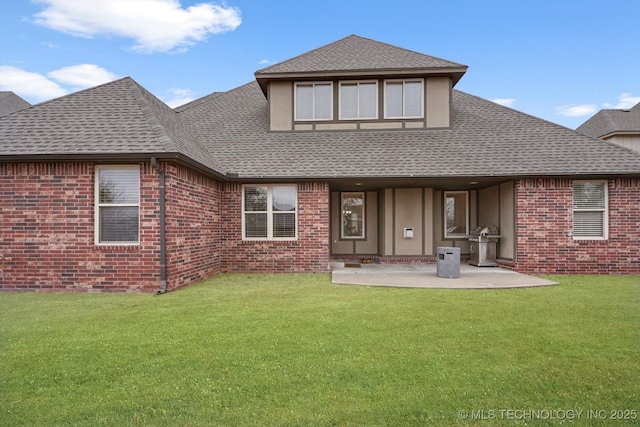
[(425, 276)]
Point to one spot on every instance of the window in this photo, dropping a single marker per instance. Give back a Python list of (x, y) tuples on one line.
[(352, 215), (358, 100), (403, 99), (269, 212), (117, 204), (456, 214), (314, 101), (590, 210)]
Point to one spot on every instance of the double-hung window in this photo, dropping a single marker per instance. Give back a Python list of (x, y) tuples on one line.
[(117, 198), (358, 100), (269, 212), (403, 99), (456, 214), (590, 210), (314, 101)]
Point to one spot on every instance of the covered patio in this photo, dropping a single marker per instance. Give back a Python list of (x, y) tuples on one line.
[(424, 275)]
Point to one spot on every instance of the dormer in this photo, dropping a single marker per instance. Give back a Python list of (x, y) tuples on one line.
[(359, 84)]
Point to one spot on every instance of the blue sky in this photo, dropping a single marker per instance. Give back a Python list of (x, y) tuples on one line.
[(561, 60)]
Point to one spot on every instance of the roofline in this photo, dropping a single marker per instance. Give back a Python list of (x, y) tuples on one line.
[(114, 157), (455, 72), (619, 133)]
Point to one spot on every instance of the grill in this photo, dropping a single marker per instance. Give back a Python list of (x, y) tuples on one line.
[(482, 245)]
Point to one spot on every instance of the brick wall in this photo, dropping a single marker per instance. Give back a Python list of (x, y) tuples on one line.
[(193, 226), (309, 253), (545, 220), (47, 232)]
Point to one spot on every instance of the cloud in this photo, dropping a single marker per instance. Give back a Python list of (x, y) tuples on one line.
[(507, 102), (265, 62), (30, 85), (575, 110), (180, 97), (37, 87), (625, 102), (155, 25), (82, 76)]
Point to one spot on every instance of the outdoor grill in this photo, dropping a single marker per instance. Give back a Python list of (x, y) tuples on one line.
[(482, 242)]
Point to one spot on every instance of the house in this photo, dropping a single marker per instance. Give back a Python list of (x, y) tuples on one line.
[(619, 126), (358, 149), (10, 103)]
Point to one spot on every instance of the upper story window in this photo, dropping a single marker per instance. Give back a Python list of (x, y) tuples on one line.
[(269, 212), (358, 100), (403, 99), (314, 101), (117, 198), (590, 210)]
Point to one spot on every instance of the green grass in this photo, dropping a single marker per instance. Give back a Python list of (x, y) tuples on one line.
[(295, 350)]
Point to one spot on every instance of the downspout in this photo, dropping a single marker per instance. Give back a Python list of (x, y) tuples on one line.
[(163, 230)]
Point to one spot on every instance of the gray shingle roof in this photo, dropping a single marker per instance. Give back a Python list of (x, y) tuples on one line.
[(118, 118), (359, 54), (10, 103), (608, 122), (485, 139)]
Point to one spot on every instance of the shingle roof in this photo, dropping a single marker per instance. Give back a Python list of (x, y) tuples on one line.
[(362, 55), (120, 117), (10, 103), (485, 139), (608, 122)]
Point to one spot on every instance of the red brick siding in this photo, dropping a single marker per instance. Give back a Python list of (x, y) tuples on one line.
[(544, 221), (309, 253), (47, 232), (193, 226)]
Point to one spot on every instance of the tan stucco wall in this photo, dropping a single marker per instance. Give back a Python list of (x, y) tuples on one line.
[(281, 105), (408, 213), (438, 102)]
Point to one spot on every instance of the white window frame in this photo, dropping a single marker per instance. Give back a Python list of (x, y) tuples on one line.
[(360, 194), (357, 83), (312, 84), (270, 213), (448, 235), (404, 81), (604, 211), (98, 205)]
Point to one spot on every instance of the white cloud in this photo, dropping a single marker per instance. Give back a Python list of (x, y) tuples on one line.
[(265, 62), (180, 97), (507, 102), (575, 110), (30, 85), (155, 25), (82, 76), (625, 102)]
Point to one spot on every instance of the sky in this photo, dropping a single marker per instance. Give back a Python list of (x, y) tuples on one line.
[(560, 60)]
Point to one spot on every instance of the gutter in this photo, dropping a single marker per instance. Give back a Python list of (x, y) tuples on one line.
[(163, 228)]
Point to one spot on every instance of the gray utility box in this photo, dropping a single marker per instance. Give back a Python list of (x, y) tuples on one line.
[(448, 262)]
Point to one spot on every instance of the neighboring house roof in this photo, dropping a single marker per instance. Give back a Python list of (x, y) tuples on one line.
[(10, 103), (607, 123), (362, 56), (120, 118), (229, 133), (485, 139)]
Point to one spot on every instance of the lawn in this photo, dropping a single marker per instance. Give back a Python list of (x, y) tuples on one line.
[(295, 350)]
